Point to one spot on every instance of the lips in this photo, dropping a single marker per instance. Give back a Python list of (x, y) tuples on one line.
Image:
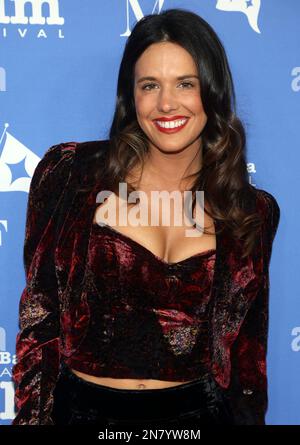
[(171, 118), (171, 130)]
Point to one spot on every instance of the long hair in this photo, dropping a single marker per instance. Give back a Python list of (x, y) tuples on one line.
[(223, 175)]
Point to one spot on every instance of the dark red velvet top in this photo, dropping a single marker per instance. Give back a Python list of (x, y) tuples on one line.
[(148, 318), (79, 300)]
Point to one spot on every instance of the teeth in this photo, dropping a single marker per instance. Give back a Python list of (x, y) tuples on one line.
[(172, 124)]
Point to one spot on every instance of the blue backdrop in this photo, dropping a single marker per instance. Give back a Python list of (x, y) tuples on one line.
[(59, 62)]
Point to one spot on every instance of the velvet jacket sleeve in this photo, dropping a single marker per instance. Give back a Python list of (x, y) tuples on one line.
[(37, 343), (248, 388)]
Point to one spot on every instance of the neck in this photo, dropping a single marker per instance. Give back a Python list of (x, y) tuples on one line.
[(166, 169)]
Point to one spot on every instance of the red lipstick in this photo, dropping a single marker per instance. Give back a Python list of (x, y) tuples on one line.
[(170, 130), (171, 118)]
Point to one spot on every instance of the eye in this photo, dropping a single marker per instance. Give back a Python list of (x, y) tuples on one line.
[(145, 87), (187, 83)]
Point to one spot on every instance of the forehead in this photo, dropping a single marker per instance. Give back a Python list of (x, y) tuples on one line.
[(158, 59)]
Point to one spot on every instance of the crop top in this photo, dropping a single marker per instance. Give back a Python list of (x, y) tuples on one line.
[(77, 305), (148, 316)]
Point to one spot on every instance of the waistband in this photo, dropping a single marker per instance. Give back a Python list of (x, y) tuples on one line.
[(200, 396)]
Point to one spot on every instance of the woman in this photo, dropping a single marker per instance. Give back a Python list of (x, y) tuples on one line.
[(123, 324)]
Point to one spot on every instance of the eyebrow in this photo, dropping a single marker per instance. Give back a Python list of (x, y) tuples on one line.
[(185, 76)]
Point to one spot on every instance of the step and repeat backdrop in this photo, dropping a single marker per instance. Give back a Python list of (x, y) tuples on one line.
[(59, 62)]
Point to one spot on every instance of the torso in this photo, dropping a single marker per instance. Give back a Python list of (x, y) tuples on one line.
[(127, 383), (172, 245)]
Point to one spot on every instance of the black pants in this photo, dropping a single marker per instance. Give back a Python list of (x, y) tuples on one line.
[(196, 403)]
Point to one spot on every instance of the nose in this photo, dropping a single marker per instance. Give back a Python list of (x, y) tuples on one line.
[(166, 101)]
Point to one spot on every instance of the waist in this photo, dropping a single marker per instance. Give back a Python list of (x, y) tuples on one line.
[(123, 383), (201, 393)]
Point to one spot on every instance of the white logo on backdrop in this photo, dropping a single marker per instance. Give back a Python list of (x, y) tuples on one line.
[(295, 345), (296, 79), (137, 10), (3, 223), (6, 387), (37, 17), (2, 79), (2, 339), (17, 164), (248, 7), (40, 15)]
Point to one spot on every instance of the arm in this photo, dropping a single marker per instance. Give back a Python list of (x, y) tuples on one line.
[(248, 388), (37, 342)]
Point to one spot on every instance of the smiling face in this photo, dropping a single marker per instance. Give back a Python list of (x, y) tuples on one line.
[(165, 95)]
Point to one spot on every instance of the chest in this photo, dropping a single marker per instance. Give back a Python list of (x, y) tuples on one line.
[(159, 225)]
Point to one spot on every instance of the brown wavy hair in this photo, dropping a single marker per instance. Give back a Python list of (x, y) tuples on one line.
[(223, 175)]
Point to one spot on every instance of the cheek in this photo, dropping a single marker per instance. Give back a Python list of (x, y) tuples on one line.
[(194, 103), (139, 102), (144, 105)]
